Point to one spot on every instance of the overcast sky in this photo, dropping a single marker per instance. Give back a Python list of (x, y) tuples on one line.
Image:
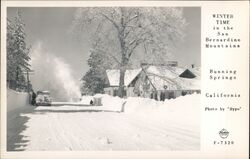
[(50, 26)]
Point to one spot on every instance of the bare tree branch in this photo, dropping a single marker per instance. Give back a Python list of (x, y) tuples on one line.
[(112, 21), (114, 58), (131, 19)]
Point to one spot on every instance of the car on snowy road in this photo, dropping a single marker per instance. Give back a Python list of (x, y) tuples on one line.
[(43, 98)]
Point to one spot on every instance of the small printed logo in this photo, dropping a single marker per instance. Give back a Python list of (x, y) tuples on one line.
[(223, 133)]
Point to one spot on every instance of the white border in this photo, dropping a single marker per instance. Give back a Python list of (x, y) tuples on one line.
[(203, 153)]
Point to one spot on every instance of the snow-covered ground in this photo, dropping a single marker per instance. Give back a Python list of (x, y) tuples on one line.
[(145, 124)]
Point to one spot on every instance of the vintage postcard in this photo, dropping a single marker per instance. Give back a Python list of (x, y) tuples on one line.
[(124, 79)]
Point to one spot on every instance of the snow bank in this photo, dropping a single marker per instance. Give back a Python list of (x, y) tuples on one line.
[(86, 99), (184, 109), (16, 99), (108, 102)]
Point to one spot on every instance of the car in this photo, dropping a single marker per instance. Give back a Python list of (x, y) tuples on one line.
[(43, 98)]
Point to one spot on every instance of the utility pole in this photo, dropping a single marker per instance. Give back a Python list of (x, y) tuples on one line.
[(28, 82), (28, 73)]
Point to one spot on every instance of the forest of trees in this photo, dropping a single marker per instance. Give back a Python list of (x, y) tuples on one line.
[(17, 55), (125, 34)]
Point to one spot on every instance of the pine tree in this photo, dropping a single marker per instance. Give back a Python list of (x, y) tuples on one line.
[(17, 52), (95, 79), (10, 50)]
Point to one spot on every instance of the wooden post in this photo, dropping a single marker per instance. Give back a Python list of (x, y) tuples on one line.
[(28, 82)]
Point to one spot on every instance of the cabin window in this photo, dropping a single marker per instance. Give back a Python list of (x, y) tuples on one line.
[(162, 96), (151, 95), (155, 96), (116, 93), (171, 95)]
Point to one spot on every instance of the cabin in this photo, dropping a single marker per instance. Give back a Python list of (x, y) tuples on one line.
[(154, 81), (113, 76), (165, 82)]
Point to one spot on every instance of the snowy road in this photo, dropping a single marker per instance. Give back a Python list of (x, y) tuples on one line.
[(91, 128)]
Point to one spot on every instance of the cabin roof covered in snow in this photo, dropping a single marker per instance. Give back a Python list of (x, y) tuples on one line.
[(160, 77), (165, 71), (114, 76), (168, 78)]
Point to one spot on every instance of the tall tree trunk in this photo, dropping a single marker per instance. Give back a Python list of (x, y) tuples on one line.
[(122, 76), (121, 82), (124, 60), (17, 78)]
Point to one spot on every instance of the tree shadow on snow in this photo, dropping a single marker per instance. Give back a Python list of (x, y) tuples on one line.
[(17, 120), (16, 124)]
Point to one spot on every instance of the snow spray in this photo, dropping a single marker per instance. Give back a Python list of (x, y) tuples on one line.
[(53, 74)]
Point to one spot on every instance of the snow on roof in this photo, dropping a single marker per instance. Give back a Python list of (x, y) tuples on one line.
[(167, 78), (114, 76), (189, 83), (161, 77), (196, 71), (165, 71), (161, 83)]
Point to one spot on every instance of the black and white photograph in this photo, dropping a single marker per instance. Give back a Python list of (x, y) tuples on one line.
[(103, 78)]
